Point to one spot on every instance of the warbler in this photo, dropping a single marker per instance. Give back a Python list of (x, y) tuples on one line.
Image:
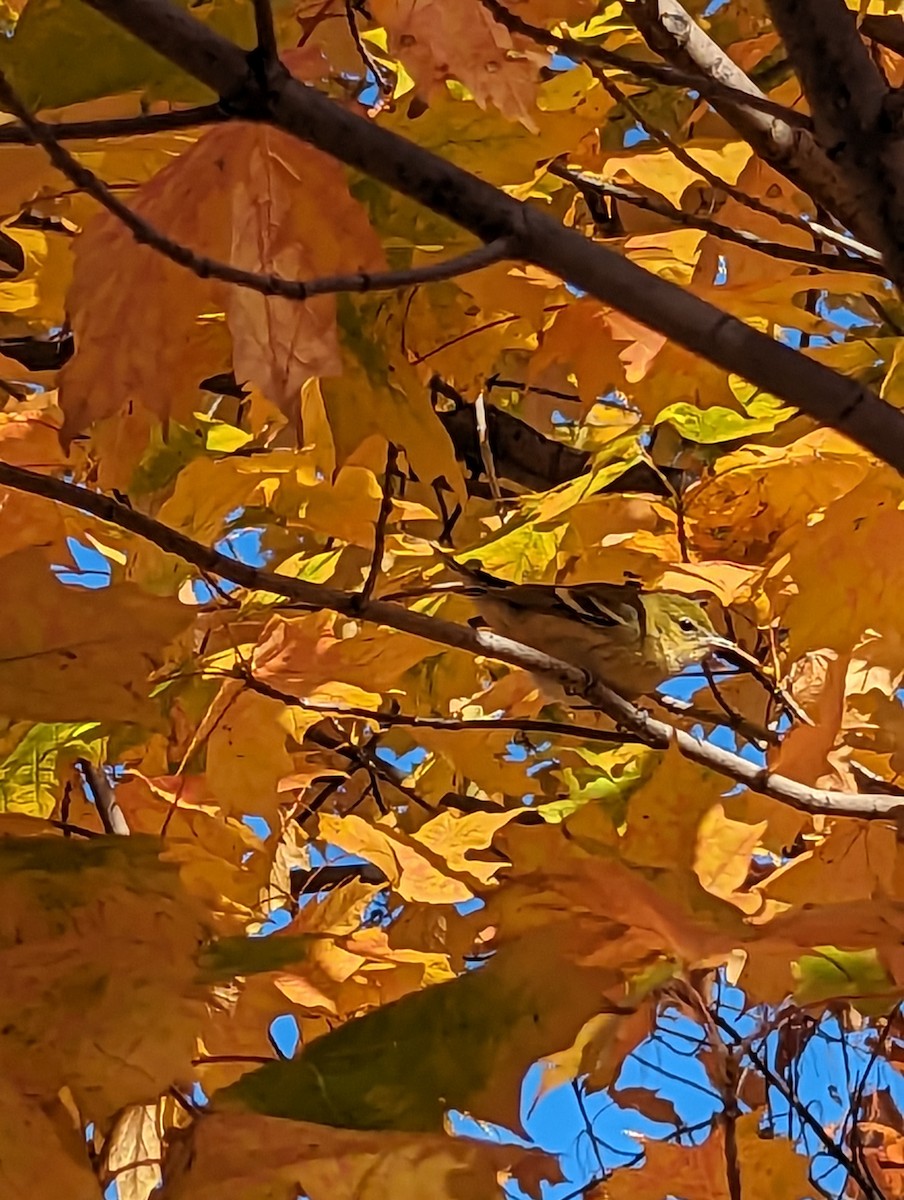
[(631, 640)]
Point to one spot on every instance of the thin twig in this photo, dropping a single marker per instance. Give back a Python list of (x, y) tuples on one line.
[(364, 760), (16, 134), (733, 717), (209, 268), (392, 455), (266, 33), (752, 666), (67, 827), (486, 450), (663, 208), (585, 733), (832, 1148), (748, 729), (111, 815), (519, 386), (856, 1106), (370, 63), (657, 72), (588, 1127)]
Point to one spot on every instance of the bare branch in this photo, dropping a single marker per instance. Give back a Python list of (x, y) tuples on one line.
[(486, 449), (663, 208), (586, 733), (754, 733), (887, 30), (325, 878), (490, 214), (104, 793), (520, 452), (637, 723), (392, 455), (266, 34), (362, 758), (802, 1110), (208, 268), (15, 133), (370, 63)]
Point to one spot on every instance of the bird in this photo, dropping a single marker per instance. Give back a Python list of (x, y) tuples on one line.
[(630, 639)]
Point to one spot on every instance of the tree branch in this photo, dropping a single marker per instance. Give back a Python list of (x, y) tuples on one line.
[(665, 73), (520, 452), (373, 574), (662, 208), (16, 134), (208, 268), (490, 214), (852, 114), (774, 1079), (632, 720), (586, 733), (266, 34), (887, 30), (795, 153), (811, 228), (370, 63), (111, 815)]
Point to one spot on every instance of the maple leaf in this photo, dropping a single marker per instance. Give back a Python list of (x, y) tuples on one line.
[(584, 314)]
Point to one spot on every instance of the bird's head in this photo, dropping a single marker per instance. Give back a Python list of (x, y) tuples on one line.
[(679, 631)]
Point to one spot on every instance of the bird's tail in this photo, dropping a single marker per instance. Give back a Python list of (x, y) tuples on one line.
[(473, 581), (476, 575)]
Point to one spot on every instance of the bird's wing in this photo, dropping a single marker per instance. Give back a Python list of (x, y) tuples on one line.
[(604, 604)]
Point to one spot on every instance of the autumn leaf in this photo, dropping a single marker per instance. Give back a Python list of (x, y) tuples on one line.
[(309, 883)]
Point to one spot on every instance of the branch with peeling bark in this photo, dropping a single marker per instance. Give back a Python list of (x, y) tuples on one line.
[(635, 722), (664, 73), (669, 30), (111, 815), (490, 214)]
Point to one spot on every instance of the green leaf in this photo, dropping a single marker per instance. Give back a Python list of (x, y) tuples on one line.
[(708, 426), (168, 452), (831, 973), (29, 781), (63, 52), (460, 1045), (221, 437), (229, 957), (610, 778)]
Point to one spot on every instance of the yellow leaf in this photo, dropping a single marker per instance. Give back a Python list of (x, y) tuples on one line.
[(99, 950), (723, 855), (69, 654), (247, 756)]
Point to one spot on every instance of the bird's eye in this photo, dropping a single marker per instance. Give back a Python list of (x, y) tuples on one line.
[(686, 625)]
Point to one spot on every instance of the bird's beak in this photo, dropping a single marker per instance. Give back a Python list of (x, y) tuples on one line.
[(727, 646)]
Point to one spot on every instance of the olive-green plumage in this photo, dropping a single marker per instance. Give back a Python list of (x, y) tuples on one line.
[(632, 640)]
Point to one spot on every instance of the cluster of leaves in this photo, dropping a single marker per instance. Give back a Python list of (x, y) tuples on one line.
[(459, 873)]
